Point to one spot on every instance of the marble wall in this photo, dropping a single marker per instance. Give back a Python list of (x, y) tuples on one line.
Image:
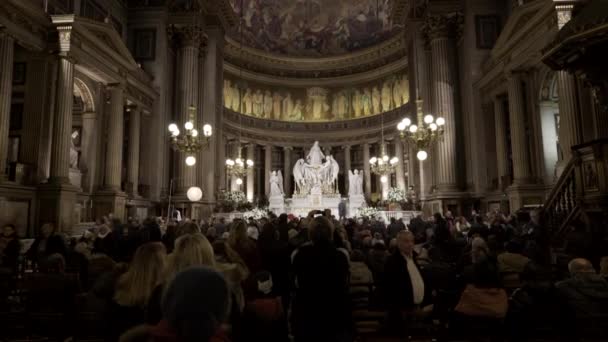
[(316, 103)]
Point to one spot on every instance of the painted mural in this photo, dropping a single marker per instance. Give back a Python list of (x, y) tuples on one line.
[(316, 104), (313, 28)]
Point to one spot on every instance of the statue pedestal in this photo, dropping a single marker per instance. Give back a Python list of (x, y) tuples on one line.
[(76, 178), (355, 202), (276, 204)]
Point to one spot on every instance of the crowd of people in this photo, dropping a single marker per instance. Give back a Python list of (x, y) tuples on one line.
[(295, 279)]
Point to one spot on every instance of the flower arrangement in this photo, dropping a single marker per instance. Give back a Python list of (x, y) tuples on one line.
[(396, 195), (367, 212), (229, 201), (234, 196), (256, 213)]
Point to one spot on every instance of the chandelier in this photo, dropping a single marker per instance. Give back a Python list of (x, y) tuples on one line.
[(189, 142), (424, 133), (383, 165), (238, 167)]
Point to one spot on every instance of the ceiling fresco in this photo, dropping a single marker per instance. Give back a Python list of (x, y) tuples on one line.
[(313, 28)]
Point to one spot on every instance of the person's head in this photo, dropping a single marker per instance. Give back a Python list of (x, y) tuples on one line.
[(54, 263), (190, 250), (238, 233), (253, 232), (321, 230), (46, 230), (535, 216), (188, 228), (195, 304), (479, 249), (357, 256), (405, 242), (485, 274), (135, 286), (514, 246), (9, 230), (580, 266), (393, 220)]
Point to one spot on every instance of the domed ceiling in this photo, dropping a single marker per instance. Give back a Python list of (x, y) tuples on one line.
[(313, 28)]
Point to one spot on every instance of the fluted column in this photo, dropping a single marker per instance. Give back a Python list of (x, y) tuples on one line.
[(115, 139), (400, 169), (62, 125), (519, 143), (133, 160), (347, 167), (189, 39), (89, 149), (569, 113), (367, 170), (444, 83), (287, 169), (502, 155), (267, 168), (7, 49), (250, 173)]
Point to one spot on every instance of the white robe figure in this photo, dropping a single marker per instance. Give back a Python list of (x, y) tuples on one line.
[(276, 184), (315, 156)]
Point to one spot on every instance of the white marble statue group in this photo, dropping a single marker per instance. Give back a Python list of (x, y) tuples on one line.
[(276, 184), (355, 183), (315, 176)]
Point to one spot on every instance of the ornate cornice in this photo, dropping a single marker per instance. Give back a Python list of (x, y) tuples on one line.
[(297, 67)]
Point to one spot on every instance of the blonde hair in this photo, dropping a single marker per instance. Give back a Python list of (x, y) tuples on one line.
[(190, 250), (135, 286), (238, 234)]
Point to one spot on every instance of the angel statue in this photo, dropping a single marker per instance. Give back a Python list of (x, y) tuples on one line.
[(73, 151), (276, 184), (298, 176), (315, 156), (352, 183)]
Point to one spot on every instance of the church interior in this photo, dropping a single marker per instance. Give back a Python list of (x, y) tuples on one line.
[(434, 142)]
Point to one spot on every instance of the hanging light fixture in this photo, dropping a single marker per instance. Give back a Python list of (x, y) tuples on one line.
[(189, 141), (238, 167), (425, 131)]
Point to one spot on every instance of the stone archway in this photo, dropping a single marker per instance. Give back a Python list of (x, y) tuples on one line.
[(88, 133)]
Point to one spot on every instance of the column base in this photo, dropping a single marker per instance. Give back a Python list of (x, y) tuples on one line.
[(106, 202), (525, 195), (57, 205)]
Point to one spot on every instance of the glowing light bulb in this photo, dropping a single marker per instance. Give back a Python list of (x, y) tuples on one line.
[(194, 133), (207, 130), (239, 181), (194, 194), (394, 160), (385, 158), (407, 122), (373, 160), (440, 121), (189, 125), (428, 119), (384, 179), (413, 128), (380, 162), (433, 126), (249, 162), (229, 162), (172, 127), (175, 132), (422, 155), (190, 160), (401, 126)]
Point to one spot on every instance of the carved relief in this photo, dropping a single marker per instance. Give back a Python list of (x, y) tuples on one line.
[(188, 35), (443, 25), (317, 103)]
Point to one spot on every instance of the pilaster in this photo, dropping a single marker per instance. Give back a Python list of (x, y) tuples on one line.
[(7, 50), (267, 168), (500, 132), (519, 143), (250, 173), (134, 151), (287, 169), (367, 171)]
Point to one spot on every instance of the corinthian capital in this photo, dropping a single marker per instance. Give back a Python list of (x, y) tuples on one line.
[(438, 26), (187, 35)]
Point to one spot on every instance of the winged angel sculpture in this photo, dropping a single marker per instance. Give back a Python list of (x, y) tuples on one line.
[(314, 174)]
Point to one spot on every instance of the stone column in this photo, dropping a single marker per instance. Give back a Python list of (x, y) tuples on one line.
[(367, 171), (519, 142), (250, 173), (189, 39), (444, 83), (400, 169), (213, 108), (569, 113), (115, 120), (88, 161), (502, 155), (7, 48), (267, 168), (287, 170), (347, 168), (133, 160), (62, 125)]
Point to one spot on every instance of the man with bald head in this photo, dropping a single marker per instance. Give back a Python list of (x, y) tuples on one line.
[(584, 295)]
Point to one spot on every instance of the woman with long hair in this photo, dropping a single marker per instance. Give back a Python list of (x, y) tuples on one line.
[(134, 288), (242, 244)]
